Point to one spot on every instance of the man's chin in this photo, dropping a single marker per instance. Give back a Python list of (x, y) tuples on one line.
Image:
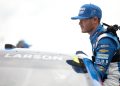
[(84, 32)]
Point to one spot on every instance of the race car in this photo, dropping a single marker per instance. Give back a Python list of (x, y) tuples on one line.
[(25, 67)]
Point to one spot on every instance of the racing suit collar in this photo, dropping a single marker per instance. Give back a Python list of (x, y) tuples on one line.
[(98, 29)]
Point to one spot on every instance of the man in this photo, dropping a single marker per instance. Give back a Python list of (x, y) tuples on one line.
[(22, 44), (105, 46)]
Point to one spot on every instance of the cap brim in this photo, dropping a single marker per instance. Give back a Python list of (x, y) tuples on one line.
[(78, 17)]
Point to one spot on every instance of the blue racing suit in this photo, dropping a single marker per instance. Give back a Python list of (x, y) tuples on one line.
[(104, 47)]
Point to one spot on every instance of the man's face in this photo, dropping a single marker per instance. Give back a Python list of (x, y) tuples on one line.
[(87, 25)]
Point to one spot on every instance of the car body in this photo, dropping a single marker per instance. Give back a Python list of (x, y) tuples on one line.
[(25, 67)]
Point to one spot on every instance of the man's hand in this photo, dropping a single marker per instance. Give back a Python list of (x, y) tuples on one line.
[(77, 64)]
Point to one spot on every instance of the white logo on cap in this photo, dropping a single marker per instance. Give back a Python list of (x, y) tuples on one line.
[(82, 10)]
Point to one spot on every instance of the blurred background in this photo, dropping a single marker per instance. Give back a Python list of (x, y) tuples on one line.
[(47, 24)]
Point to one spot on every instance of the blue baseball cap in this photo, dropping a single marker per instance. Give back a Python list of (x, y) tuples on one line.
[(88, 11)]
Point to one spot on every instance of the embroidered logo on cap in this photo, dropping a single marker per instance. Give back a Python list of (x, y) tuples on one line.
[(82, 10)]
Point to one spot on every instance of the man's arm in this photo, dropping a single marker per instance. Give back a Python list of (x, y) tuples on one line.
[(105, 50)]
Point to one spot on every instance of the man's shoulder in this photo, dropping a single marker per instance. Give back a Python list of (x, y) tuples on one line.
[(107, 37)]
